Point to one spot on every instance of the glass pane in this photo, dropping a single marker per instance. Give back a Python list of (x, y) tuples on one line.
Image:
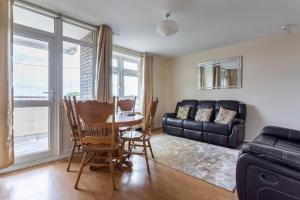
[(130, 65), (77, 71), (115, 62), (131, 86), (30, 63), (31, 133), (33, 19), (137, 104), (76, 32), (115, 85)]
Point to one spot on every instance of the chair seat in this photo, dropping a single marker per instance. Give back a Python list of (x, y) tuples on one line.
[(76, 139), (126, 128), (99, 147), (134, 135), (98, 140)]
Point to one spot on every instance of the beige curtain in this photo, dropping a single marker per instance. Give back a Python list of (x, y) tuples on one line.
[(147, 62), (103, 85), (6, 133)]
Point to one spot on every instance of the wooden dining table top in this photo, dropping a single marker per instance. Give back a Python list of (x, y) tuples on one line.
[(125, 119)]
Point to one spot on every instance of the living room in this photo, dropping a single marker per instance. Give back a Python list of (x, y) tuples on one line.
[(201, 95)]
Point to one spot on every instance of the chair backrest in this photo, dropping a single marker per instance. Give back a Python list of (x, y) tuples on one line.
[(126, 105), (70, 112), (97, 122), (150, 116)]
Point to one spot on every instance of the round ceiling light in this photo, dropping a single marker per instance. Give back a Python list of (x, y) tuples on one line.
[(167, 27)]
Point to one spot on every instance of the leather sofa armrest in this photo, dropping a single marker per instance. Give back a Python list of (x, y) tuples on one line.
[(169, 115), (273, 154), (234, 122), (164, 119), (283, 133)]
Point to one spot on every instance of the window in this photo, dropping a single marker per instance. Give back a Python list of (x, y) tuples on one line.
[(126, 76), (78, 62)]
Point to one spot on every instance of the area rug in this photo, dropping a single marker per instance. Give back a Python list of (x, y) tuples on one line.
[(210, 163)]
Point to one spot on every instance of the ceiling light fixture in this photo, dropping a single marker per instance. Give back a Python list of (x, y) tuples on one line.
[(167, 27)]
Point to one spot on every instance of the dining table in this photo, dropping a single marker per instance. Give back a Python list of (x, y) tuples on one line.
[(126, 120)]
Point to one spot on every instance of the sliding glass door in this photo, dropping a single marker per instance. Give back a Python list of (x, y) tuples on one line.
[(34, 95)]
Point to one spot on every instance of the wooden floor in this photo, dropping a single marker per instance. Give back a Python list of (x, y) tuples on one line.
[(51, 181)]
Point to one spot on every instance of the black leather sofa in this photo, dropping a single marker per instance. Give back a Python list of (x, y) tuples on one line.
[(268, 168), (231, 135)]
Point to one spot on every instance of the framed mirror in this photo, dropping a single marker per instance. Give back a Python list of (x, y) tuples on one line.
[(220, 74)]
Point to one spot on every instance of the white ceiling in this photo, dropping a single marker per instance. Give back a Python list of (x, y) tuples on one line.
[(204, 24)]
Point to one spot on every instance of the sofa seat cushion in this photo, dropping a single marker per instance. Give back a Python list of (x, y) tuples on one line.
[(171, 121), (212, 127), (192, 125)]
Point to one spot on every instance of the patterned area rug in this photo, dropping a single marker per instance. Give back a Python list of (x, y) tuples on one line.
[(210, 163)]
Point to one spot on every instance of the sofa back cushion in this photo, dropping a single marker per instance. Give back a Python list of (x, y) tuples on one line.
[(203, 114), (225, 116), (207, 105), (227, 104), (192, 104), (183, 112)]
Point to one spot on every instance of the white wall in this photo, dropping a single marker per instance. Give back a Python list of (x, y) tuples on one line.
[(271, 81), (161, 82)]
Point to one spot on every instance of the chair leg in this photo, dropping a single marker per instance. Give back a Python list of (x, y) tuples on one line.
[(121, 154), (129, 148), (81, 168), (146, 157), (111, 167), (133, 144), (150, 149), (129, 145), (71, 156)]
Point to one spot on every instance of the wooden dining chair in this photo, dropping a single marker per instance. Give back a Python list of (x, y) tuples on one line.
[(72, 121), (126, 106), (98, 138), (141, 139)]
